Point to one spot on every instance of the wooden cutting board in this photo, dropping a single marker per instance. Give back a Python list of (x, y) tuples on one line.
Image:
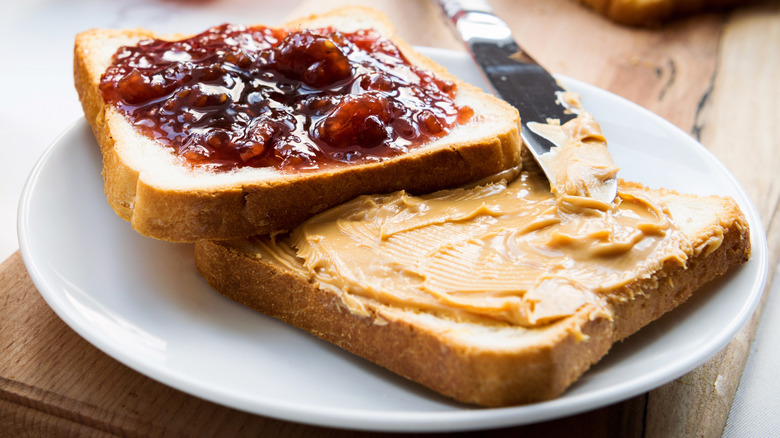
[(712, 75)]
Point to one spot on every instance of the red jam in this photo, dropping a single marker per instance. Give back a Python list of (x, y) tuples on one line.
[(236, 96)]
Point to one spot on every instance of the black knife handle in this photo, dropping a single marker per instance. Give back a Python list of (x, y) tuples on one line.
[(526, 86), (513, 73)]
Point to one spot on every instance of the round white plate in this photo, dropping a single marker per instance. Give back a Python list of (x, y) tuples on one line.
[(142, 302)]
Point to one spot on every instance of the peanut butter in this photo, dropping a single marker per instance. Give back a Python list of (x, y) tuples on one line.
[(506, 252), (580, 163)]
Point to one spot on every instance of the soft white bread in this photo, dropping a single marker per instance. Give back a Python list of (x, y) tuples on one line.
[(477, 360), (148, 186)]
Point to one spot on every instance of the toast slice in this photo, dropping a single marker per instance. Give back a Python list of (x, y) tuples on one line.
[(653, 12), (523, 343), (147, 184)]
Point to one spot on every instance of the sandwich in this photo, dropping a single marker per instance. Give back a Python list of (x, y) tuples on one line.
[(410, 237)]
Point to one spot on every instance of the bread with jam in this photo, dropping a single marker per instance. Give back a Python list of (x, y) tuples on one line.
[(240, 131), (495, 295)]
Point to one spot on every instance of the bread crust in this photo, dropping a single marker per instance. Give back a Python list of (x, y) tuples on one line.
[(649, 13), (266, 205), (482, 375)]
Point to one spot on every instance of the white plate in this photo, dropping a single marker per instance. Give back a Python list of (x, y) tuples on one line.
[(142, 302)]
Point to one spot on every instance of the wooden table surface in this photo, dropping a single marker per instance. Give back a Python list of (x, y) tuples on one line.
[(715, 75)]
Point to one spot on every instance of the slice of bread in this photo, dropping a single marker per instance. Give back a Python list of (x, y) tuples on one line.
[(162, 198), (653, 12), (482, 360)]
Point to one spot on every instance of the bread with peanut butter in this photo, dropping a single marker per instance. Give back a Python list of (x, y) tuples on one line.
[(250, 130), (498, 294)]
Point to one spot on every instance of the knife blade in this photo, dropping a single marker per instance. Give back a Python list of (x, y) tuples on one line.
[(518, 79)]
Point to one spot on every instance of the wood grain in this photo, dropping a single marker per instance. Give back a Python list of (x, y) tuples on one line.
[(713, 75)]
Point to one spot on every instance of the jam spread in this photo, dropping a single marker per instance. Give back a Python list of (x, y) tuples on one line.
[(237, 96)]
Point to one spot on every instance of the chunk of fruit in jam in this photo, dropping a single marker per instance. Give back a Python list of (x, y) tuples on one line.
[(233, 96), (358, 120), (313, 59)]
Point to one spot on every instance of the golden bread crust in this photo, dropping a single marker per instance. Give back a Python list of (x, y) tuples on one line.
[(649, 13), (485, 377)]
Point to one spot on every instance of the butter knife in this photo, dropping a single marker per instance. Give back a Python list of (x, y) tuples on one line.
[(518, 79)]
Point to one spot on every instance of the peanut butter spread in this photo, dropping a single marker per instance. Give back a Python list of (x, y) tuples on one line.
[(580, 163), (506, 252)]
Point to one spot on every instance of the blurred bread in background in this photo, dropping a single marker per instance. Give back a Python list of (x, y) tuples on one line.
[(655, 12)]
